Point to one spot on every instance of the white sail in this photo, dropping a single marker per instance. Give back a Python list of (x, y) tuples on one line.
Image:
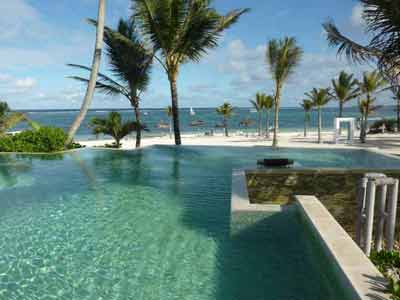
[(192, 112)]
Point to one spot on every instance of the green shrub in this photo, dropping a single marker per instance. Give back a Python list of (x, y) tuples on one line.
[(390, 125), (389, 264), (43, 140)]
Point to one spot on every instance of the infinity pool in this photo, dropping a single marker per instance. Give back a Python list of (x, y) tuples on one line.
[(155, 224)]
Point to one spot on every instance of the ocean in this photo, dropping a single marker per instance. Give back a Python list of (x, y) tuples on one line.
[(291, 119)]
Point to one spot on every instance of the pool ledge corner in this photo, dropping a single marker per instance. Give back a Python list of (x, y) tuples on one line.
[(356, 271)]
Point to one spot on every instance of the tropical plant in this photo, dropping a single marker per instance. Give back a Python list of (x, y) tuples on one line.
[(345, 88), (246, 123), (9, 119), (307, 106), (319, 98), (258, 105), (372, 83), (130, 62), (268, 104), (179, 32), (283, 56), (115, 127), (381, 19), (169, 114), (93, 75), (226, 111)]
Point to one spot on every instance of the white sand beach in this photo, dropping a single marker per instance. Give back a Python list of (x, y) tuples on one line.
[(388, 143)]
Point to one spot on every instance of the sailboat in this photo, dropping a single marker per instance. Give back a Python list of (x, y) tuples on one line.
[(192, 112)]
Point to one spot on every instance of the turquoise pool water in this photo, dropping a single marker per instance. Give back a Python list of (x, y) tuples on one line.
[(154, 224)]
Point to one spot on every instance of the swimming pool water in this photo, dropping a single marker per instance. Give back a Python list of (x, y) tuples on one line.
[(153, 224)]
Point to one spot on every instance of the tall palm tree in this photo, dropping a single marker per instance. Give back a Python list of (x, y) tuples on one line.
[(93, 76), (114, 126), (268, 104), (372, 83), (345, 88), (181, 31), (226, 110), (381, 18), (319, 98), (307, 106), (130, 62), (169, 114), (258, 105), (283, 56)]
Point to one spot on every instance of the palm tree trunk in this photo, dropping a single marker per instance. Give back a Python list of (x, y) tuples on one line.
[(93, 75), (276, 117), (319, 125), (340, 109), (175, 109), (226, 127), (398, 114), (259, 123), (170, 127), (139, 130), (267, 129), (305, 125)]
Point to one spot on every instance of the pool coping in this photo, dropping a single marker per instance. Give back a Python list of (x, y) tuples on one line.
[(357, 272)]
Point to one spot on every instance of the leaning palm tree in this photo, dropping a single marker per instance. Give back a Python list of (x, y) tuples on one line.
[(93, 76), (179, 32), (367, 107), (283, 56), (130, 63), (319, 98), (226, 110), (372, 83), (114, 126), (258, 105), (345, 88), (169, 114), (307, 106), (268, 104)]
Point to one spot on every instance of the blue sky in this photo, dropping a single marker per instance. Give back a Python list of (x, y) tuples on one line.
[(39, 37)]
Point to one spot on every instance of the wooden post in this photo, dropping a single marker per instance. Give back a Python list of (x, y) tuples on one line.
[(370, 204), (392, 209), (382, 190), (361, 194)]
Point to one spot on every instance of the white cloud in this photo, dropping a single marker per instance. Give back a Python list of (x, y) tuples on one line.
[(26, 83), (357, 15)]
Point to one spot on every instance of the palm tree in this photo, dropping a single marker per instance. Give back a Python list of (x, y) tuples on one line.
[(319, 98), (268, 104), (246, 123), (283, 56), (345, 88), (226, 110), (114, 126), (372, 83), (9, 119), (258, 105), (130, 62), (169, 114), (181, 31), (93, 76), (382, 27), (307, 106)]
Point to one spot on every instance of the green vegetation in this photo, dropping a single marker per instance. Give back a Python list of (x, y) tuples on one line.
[(268, 104), (388, 263), (181, 31), (42, 140), (258, 105), (9, 119), (130, 62), (319, 98), (307, 105), (390, 125), (226, 111), (115, 127), (283, 56)]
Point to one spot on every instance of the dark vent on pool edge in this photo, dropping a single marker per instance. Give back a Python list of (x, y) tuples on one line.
[(275, 162)]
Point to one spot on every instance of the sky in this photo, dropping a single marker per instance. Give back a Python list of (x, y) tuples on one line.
[(39, 37)]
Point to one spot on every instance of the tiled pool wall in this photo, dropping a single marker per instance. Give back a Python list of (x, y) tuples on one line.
[(335, 188), (337, 255)]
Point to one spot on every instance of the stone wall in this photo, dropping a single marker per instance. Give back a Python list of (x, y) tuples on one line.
[(335, 188)]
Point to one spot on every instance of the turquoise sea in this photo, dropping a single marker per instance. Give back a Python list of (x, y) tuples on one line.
[(291, 119)]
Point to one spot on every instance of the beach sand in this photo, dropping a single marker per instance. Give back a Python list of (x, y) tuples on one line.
[(389, 143)]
